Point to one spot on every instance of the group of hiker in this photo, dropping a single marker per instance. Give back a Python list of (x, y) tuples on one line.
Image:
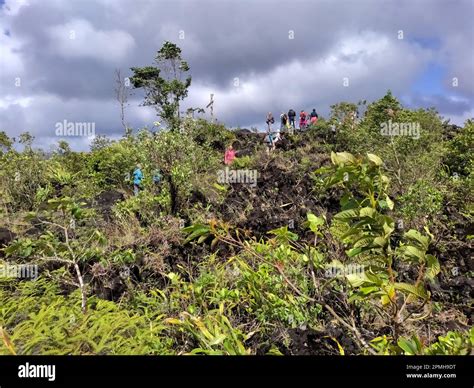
[(138, 178), (287, 122)]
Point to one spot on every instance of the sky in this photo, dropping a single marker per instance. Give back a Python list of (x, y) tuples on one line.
[(58, 58)]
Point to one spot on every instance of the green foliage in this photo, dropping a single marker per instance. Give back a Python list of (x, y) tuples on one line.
[(459, 157), (364, 228), (243, 162), (214, 333), (181, 162), (41, 321), (26, 139), (238, 292), (267, 294), (209, 135), (421, 199), (382, 110), (111, 167), (362, 179), (146, 207), (21, 176), (5, 142), (453, 343)]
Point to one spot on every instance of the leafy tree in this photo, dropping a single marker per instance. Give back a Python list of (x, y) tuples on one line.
[(63, 147), (343, 113), (382, 110), (163, 84), (5, 142), (100, 142), (21, 176), (179, 159), (110, 166), (26, 139)]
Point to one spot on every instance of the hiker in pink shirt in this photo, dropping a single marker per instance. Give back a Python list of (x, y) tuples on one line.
[(314, 117), (229, 155), (303, 121)]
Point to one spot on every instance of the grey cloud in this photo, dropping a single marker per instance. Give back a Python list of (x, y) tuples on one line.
[(228, 39)]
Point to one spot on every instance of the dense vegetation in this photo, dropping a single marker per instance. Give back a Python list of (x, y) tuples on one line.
[(351, 242)]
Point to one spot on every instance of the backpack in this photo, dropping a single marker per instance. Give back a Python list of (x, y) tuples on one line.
[(291, 113)]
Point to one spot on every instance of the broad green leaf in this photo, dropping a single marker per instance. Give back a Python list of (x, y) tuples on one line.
[(385, 300), (354, 251), (414, 235), (368, 290), (347, 214), (364, 241), (218, 340), (357, 251), (408, 346), (373, 278), (314, 222), (412, 252), (411, 289), (375, 159), (380, 241), (388, 228), (342, 158), (389, 202), (367, 212), (357, 280), (433, 267)]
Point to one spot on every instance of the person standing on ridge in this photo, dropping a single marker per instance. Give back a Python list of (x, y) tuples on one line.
[(302, 120), (291, 117), (270, 120), (283, 120), (137, 179), (314, 117)]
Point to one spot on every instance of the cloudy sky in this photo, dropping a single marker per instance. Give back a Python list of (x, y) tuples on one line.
[(58, 57)]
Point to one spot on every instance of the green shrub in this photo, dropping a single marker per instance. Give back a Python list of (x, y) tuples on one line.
[(421, 200)]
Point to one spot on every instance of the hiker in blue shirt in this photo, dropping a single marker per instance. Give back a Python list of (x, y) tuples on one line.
[(137, 179)]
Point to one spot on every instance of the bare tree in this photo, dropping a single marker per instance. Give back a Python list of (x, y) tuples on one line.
[(121, 95), (211, 105)]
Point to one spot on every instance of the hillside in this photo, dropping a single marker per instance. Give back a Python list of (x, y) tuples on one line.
[(346, 242)]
